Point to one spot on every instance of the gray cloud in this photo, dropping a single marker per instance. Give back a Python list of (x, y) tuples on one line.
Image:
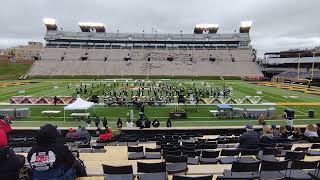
[(278, 25)]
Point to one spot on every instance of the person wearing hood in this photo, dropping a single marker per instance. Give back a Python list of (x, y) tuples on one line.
[(11, 163), (83, 133), (49, 159)]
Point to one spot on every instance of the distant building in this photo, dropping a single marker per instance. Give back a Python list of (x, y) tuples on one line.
[(32, 51)]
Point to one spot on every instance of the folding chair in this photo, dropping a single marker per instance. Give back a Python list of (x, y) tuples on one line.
[(118, 172)]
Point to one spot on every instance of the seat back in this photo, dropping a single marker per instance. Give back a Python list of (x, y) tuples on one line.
[(315, 146), (292, 155), (184, 177), (210, 145), (274, 165), (286, 146), (210, 154), (117, 169), (172, 153), (153, 150), (119, 177), (135, 148), (301, 149), (304, 164), (176, 159), (152, 176), (187, 144), (230, 152), (249, 152), (192, 153), (245, 167), (269, 151), (151, 167)]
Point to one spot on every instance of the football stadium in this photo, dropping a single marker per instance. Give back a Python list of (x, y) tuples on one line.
[(110, 105)]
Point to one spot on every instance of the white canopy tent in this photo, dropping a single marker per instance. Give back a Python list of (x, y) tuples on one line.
[(79, 104)]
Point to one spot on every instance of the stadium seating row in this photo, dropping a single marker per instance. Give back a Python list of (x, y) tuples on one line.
[(125, 62)]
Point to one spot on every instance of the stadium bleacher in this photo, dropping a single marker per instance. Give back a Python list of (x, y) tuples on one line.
[(115, 65), (191, 153), (126, 54)]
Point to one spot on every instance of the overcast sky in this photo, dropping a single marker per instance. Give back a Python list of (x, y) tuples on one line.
[(277, 24)]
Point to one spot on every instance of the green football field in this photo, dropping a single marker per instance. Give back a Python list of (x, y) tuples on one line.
[(197, 115)]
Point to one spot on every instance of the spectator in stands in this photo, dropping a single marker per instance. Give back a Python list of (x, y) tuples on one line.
[(275, 132), (119, 123), (311, 131), (79, 129), (296, 133), (58, 130), (48, 159), (139, 124), (249, 139), (107, 134), (169, 123), (105, 122), (155, 123), (72, 134), (267, 136), (83, 133), (318, 129), (88, 121), (286, 132), (147, 123), (10, 163), (129, 123), (290, 122), (261, 119), (98, 131), (97, 121)]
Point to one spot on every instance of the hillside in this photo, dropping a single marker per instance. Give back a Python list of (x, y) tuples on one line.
[(13, 70)]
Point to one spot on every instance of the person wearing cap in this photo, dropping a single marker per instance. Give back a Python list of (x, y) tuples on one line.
[(10, 163), (249, 139)]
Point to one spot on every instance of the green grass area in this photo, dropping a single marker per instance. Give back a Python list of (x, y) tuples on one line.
[(12, 70), (239, 89)]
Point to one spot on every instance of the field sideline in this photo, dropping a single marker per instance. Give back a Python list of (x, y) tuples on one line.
[(239, 89)]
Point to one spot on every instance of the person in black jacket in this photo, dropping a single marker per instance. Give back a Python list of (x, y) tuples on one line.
[(49, 159), (147, 123), (88, 121), (249, 139), (97, 121), (155, 123), (105, 122), (169, 123), (10, 163), (119, 123)]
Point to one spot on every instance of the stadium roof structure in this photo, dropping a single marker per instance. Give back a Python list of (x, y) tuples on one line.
[(209, 28), (92, 26), (50, 23), (63, 36), (95, 33), (245, 26), (293, 52)]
